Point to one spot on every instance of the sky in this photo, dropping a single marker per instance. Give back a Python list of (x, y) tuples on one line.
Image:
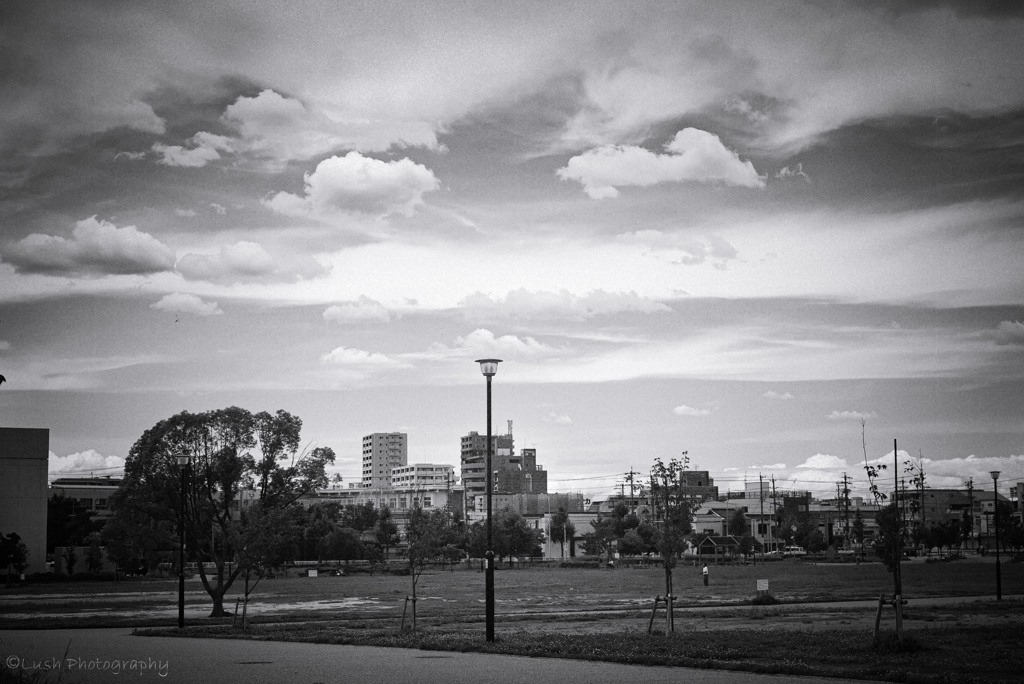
[(782, 237)]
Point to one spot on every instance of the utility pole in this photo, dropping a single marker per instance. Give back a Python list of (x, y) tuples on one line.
[(846, 510), (970, 509), (760, 494)]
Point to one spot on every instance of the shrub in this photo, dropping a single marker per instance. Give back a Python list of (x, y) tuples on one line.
[(764, 598)]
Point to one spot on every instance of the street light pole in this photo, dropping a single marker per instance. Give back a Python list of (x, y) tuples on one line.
[(489, 367), (995, 514), (182, 460)]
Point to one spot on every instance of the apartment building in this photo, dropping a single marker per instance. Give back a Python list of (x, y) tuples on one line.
[(382, 452)]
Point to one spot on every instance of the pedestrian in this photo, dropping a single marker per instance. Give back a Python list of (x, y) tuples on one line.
[(705, 573)]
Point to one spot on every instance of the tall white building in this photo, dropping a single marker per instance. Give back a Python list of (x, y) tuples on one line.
[(383, 451)]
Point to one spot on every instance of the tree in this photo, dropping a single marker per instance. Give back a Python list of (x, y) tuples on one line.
[(513, 536), (344, 544), (427, 535), (386, 531), (237, 460), (265, 542), (13, 554), (94, 553), (67, 523), (361, 518), (599, 541), (70, 560), (562, 528), (815, 542), (675, 511), (887, 542), (738, 523)]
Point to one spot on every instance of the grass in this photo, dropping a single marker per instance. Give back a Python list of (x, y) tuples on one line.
[(601, 614)]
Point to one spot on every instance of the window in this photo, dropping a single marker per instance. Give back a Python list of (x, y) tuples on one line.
[(427, 502)]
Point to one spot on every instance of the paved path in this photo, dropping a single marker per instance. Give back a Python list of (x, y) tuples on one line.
[(114, 655)]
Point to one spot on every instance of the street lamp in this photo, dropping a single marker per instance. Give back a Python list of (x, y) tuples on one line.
[(995, 514), (182, 460), (489, 367)]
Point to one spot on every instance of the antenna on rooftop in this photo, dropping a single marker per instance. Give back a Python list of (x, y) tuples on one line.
[(510, 428)]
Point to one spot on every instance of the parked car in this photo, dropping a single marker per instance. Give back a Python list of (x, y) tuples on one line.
[(794, 551)]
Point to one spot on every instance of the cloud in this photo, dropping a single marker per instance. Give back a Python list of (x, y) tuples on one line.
[(203, 149), (246, 261), (1009, 332), (561, 305), (360, 362), (95, 248), (692, 155), (851, 415), (684, 410), (772, 394), (358, 184), (557, 419), (84, 464), (483, 343), (185, 213), (186, 303), (681, 249), (793, 172), (4, 345), (824, 462), (363, 309)]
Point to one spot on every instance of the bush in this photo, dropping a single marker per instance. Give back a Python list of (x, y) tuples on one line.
[(886, 642), (763, 598)]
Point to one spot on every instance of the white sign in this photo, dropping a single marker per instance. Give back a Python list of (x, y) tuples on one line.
[(312, 572), (762, 585)]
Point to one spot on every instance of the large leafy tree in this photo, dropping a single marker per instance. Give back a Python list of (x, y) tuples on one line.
[(237, 460)]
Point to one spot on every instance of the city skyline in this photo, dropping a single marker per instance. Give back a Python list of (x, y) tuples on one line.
[(732, 229)]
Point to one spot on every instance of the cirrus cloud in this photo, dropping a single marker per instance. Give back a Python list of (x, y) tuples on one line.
[(692, 155), (851, 415), (684, 410)]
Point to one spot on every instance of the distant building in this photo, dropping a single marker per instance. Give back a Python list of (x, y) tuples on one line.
[(24, 457), (512, 474), (89, 494), (383, 451)]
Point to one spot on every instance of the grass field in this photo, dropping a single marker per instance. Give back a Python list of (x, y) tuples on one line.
[(823, 624)]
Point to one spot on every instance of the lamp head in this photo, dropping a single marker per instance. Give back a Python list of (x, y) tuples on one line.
[(488, 366), (994, 474), (182, 459)]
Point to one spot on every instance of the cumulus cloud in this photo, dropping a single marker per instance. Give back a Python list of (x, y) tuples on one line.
[(772, 394), (363, 309), (684, 410), (84, 464), (823, 462), (186, 303), (692, 155), (562, 305), (245, 261), (1009, 332), (483, 343), (361, 185), (557, 419), (95, 248)]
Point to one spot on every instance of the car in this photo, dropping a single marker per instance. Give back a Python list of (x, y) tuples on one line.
[(794, 551)]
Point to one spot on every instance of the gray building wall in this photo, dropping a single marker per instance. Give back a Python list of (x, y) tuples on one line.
[(24, 457)]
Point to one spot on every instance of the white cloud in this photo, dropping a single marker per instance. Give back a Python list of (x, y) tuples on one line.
[(4, 345), (562, 305), (824, 462), (793, 172), (203, 148), (850, 415), (360, 361), (684, 410), (681, 249), (361, 185), (363, 309), (692, 155), (186, 303), (1009, 332), (84, 464), (557, 419), (185, 213), (483, 343), (772, 394), (95, 248), (246, 261)]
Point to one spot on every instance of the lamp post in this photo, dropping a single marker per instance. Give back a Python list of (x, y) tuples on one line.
[(182, 460), (995, 514), (489, 367)]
